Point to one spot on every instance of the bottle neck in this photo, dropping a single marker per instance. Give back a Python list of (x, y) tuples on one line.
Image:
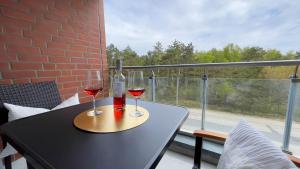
[(119, 70)]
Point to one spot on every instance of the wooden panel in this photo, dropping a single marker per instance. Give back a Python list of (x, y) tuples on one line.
[(295, 160), (209, 134)]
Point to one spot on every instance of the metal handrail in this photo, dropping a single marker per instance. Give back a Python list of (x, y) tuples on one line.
[(224, 64)]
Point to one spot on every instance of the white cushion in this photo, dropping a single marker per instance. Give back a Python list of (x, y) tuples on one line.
[(69, 102), (247, 148), (16, 112), (8, 150)]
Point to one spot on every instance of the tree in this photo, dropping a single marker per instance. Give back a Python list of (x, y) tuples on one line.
[(112, 53), (253, 54), (272, 54), (130, 57), (178, 53)]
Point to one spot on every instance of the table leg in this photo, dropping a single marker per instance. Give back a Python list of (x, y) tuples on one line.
[(29, 166)]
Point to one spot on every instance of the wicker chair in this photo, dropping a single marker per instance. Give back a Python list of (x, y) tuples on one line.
[(42, 94)]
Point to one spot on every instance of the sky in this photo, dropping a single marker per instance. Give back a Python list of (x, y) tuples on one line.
[(206, 24)]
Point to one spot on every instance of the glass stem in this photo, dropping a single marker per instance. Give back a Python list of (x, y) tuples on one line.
[(94, 104), (136, 104)]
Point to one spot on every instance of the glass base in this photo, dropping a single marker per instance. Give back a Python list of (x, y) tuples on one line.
[(94, 113), (136, 114)]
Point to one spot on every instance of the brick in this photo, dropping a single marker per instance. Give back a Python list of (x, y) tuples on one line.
[(64, 91), (4, 57), (53, 52), (13, 30), (78, 60), (17, 74), (66, 79), (71, 84), (74, 54), (14, 22), (66, 73), (65, 66), (84, 66), (40, 5), (48, 73), (94, 66), (17, 14), (4, 66), (43, 79), (26, 66), (47, 28), (5, 81), (37, 42), (80, 43), (91, 55), (16, 40), (79, 72), (18, 81), (68, 90), (58, 45), (54, 17), (78, 48), (81, 78), (22, 50), (31, 58), (62, 40), (14, 4), (93, 61), (66, 96), (67, 34), (93, 50), (57, 59), (37, 35), (49, 66)]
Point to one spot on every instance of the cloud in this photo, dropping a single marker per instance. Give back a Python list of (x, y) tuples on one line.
[(206, 23)]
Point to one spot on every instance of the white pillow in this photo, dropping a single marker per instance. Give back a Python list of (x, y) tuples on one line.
[(247, 148), (69, 102), (17, 112)]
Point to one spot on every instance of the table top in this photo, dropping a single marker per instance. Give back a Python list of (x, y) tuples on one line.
[(51, 139)]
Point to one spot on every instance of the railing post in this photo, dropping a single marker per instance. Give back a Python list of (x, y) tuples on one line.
[(204, 93), (177, 86), (152, 81), (290, 112)]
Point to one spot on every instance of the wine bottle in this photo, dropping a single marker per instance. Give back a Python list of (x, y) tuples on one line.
[(119, 92)]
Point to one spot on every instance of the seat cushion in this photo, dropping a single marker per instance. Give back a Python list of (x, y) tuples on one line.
[(42, 95), (247, 148), (69, 102), (17, 112)]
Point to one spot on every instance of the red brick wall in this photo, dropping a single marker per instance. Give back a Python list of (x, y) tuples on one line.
[(60, 40)]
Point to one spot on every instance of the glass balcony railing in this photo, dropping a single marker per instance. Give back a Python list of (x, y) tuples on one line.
[(219, 94)]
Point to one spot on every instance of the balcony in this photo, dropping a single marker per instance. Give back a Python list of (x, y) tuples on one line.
[(217, 99)]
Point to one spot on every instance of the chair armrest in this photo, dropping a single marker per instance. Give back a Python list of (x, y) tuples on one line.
[(222, 137), (209, 134)]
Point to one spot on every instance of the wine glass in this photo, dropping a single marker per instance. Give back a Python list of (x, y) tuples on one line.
[(92, 86), (136, 88)]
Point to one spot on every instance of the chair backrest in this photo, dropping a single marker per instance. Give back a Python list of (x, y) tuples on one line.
[(42, 94)]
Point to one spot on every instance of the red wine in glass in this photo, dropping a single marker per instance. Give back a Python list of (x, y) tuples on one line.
[(92, 86), (136, 88), (93, 91), (136, 92)]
